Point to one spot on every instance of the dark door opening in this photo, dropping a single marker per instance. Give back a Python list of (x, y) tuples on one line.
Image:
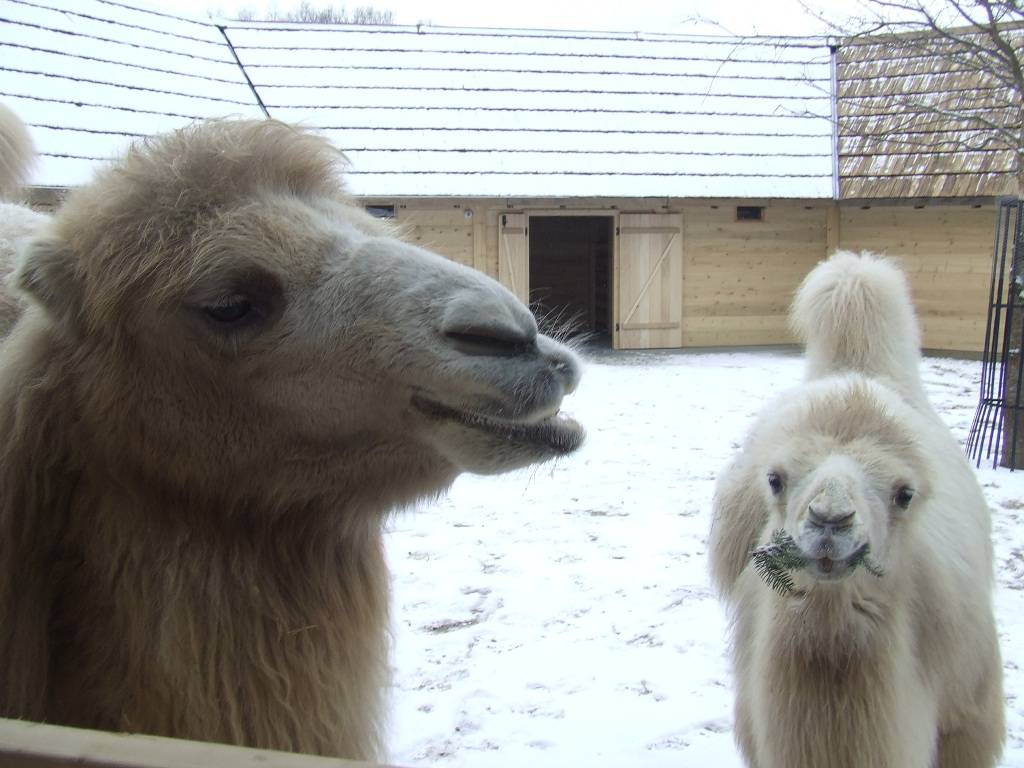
[(570, 273)]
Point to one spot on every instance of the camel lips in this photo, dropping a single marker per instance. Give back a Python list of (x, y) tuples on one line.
[(559, 432)]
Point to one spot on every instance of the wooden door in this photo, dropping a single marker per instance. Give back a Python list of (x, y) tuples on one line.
[(649, 281), (514, 255)]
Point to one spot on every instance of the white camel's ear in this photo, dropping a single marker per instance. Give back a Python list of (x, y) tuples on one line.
[(46, 273), (739, 515)]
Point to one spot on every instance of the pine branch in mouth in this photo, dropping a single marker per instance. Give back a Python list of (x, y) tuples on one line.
[(775, 560)]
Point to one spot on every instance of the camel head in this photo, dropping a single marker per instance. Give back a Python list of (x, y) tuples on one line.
[(236, 320), (841, 473)]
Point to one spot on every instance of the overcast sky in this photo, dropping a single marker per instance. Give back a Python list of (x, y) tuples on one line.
[(685, 16)]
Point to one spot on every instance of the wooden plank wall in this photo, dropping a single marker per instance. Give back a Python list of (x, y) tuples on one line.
[(739, 276), (947, 253), (447, 231)]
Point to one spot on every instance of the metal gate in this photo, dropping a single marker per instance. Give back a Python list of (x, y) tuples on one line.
[(997, 432)]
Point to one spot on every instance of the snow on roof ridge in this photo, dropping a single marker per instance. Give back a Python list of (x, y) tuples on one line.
[(794, 41)]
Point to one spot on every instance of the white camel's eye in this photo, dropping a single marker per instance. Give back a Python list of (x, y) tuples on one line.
[(903, 496), (775, 482), (229, 312)]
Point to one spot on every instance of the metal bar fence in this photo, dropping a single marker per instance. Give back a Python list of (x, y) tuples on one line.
[(997, 432)]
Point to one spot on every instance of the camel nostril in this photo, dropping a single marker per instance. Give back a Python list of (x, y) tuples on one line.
[(488, 323), (838, 521), (490, 342)]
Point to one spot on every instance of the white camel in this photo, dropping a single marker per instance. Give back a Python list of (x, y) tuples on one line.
[(896, 668)]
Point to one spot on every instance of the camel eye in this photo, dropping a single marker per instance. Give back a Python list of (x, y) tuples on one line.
[(775, 482), (903, 496), (249, 302), (229, 312)]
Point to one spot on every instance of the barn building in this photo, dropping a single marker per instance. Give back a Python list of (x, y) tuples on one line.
[(661, 191)]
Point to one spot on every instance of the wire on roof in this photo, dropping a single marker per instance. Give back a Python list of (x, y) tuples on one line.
[(818, 62), (559, 54), (796, 41), (76, 103), (140, 46), (483, 89), (544, 110), (499, 70), (693, 94), (588, 131), (125, 85), (64, 156), (116, 22), (681, 174), (154, 12), (616, 152), (97, 59), (98, 131)]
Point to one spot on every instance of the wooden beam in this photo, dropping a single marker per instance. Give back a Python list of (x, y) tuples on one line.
[(25, 744), (832, 230)]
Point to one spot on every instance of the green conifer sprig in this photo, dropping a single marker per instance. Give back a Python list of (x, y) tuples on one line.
[(775, 560)]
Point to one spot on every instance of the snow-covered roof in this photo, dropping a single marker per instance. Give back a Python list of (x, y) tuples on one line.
[(88, 76), (516, 112), (432, 110)]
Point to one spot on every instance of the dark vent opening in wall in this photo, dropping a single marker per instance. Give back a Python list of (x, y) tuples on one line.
[(749, 213), (381, 211)]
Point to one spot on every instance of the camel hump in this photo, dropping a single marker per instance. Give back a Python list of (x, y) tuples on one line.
[(855, 314), (17, 154)]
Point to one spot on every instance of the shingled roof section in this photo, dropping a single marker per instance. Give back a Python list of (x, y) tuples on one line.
[(90, 76), (447, 111), (434, 111), (911, 122)]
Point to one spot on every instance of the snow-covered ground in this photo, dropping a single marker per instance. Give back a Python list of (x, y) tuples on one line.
[(563, 616)]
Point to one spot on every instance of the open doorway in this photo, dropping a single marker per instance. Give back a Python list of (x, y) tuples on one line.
[(571, 272)]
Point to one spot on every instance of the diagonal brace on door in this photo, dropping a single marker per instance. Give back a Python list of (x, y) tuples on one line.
[(650, 278)]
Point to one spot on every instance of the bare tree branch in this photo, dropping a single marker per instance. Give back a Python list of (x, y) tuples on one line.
[(935, 77)]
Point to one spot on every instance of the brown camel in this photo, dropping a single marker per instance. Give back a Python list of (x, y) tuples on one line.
[(225, 376)]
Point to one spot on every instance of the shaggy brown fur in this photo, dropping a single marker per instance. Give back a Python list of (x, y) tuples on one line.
[(853, 670), (226, 375)]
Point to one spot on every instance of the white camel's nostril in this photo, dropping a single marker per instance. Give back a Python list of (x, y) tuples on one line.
[(828, 519)]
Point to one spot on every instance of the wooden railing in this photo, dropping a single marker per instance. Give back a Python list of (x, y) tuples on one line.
[(34, 745)]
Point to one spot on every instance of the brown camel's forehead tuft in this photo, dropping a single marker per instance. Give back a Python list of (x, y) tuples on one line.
[(136, 229), (217, 161)]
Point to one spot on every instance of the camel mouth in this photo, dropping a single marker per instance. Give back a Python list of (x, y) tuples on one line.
[(827, 568), (558, 432)]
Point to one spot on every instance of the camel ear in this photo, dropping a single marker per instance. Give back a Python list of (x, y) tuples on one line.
[(46, 273), (737, 520)]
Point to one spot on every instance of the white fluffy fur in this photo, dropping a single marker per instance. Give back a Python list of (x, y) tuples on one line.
[(901, 671), (17, 154), (17, 222)]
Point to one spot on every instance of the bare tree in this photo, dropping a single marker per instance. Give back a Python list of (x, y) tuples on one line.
[(308, 13), (958, 85)]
